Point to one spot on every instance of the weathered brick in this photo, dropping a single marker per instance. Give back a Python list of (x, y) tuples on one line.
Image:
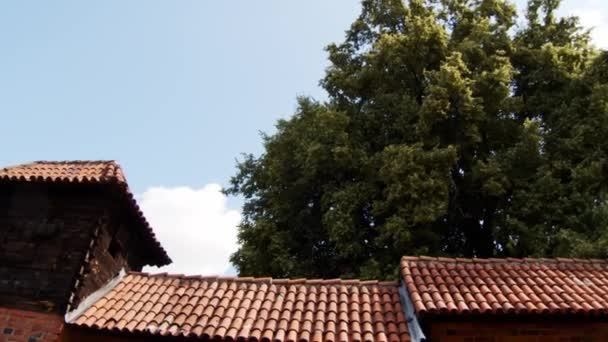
[(46, 230), (21, 326)]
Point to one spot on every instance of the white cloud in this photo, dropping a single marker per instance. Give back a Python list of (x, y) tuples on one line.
[(593, 14), (195, 226)]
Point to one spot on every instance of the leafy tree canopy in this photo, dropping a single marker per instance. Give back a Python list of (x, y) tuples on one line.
[(451, 129)]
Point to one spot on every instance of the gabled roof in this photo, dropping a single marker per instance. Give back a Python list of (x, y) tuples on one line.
[(251, 309), (446, 286), (105, 172)]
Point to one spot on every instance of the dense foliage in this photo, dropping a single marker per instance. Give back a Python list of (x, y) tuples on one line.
[(449, 130)]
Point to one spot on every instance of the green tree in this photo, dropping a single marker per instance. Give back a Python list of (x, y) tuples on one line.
[(448, 131)]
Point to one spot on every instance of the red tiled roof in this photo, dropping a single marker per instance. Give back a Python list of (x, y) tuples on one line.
[(261, 309), (91, 172), (78, 171), (506, 286)]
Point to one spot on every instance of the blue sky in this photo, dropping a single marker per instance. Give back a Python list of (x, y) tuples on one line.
[(173, 90)]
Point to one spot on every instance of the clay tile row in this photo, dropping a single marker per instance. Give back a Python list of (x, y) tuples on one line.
[(69, 171), (506, 286), (251, 309)]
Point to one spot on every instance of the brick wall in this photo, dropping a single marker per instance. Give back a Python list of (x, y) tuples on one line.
[(28, 326), (518, 331), (45, 232), (59, 238), (115, 247)]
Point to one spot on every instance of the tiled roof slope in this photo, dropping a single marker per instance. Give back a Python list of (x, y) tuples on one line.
[(506, 286), (79, 171), (92, 172), (251, 309)]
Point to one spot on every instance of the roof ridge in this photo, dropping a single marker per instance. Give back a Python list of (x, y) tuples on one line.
[(65, 161), (527, 260), (73, 161), (269, 280), (55, 170)]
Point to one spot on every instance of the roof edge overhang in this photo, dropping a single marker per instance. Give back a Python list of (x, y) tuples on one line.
[(160, 255)]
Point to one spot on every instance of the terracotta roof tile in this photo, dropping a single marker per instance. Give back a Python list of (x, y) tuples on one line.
[(79, 171), (252, 309), (506, 286), (86, 172)]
